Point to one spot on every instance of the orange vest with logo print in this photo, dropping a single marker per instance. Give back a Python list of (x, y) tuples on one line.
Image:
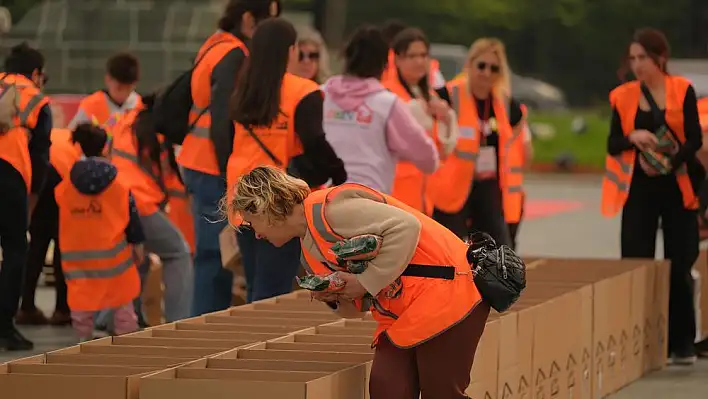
[(197, 151), (96, 257), (413, 309), (14, 144), (410, 185), (279, 138), (619, 169), (451, 183)]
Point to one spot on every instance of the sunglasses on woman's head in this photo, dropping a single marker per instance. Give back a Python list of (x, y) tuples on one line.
[(492, 67), (309, 56)]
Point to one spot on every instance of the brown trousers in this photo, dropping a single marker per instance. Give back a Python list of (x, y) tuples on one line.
[(436, 369)]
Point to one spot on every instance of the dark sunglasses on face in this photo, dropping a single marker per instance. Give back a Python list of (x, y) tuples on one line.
[(309, 56), (493, 68)]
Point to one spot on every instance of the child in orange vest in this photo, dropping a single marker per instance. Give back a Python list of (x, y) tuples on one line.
[(100, 238)]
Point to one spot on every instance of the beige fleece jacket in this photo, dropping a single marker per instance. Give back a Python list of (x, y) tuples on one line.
[(356, 212)]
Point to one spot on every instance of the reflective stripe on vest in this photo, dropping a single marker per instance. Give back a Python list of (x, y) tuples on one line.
[(197, 113), (455, 100), (78, 256)]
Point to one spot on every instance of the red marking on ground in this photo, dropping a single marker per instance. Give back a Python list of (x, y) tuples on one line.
[(536, 209)]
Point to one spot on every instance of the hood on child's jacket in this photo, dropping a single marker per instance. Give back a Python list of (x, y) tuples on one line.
[(92, 175)]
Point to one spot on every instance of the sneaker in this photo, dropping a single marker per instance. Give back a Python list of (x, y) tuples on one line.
[(33, 317), (702, 348), (13, 340), (684, 360)]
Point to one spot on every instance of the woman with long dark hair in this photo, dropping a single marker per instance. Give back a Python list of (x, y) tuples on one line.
[(147, 163), (277, 116), (205, 151), (654, 136)]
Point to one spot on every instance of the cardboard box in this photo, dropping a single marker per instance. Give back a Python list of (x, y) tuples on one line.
[(106, 346), (286, 380), (34, 378), (485, 370), (206, 323), (74, 355)]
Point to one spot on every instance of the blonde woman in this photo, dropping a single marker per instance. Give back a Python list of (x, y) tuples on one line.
[(429, 312), (486, 165), (313, 60)]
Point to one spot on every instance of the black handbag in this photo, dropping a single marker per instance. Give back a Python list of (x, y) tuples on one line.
[(499, 274)]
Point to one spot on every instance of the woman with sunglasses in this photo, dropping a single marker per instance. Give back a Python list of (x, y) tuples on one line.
[(412, 85), (313, 60), (478, 188)]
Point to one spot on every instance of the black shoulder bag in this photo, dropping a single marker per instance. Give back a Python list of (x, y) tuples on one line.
[(696, 173), (499, 274)]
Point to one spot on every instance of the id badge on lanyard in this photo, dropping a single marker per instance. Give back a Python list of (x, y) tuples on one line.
[(487, 160)]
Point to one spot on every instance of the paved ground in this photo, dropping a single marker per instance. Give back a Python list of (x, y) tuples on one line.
[(576, 233)]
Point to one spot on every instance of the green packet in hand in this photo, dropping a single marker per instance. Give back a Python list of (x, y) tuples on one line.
[(660, 162), (363, 247), (314, 282)]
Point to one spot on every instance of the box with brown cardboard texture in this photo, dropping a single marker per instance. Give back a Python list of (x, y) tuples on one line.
[(611, 318), (207, 323), (660, 340), (34, 378), (74, 355), (245, 312), (223, 378), (485, 370), (107, 346), (192, 330)]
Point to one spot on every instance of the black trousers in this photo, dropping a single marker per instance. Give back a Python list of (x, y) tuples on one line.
[(44, 227), (13, 240), (483, 211), (649, 201)]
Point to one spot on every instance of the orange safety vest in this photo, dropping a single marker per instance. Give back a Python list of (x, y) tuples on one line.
[(97, 107), (410, 185), (279, 138), (703, 113), (63, 154), (197, 149), (143, 180), (425, 307), (96, 257), (179, 209), (14, 144), (391, 71), (452, 182), (619, 169)]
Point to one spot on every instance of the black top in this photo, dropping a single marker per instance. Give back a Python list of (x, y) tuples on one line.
[(223, 83), (618, 142), (39, 143), (318, 163)]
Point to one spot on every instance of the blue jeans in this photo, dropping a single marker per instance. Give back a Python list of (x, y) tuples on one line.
[(212, 283), (270, 271)]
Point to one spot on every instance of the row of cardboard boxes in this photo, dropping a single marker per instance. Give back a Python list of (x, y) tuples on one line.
[(582, 329)]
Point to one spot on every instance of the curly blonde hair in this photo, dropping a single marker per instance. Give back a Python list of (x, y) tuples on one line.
[(482, 45), (268, 191)]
